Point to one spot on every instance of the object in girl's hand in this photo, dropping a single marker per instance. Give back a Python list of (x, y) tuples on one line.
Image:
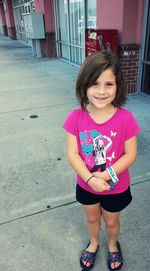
[(110, 182)]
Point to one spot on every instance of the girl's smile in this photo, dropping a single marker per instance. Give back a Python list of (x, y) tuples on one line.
[(101, 99)]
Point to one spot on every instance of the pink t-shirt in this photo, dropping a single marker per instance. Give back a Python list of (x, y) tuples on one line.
[(101, 145)]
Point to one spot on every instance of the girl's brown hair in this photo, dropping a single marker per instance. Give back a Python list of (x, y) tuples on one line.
[(91, 69)]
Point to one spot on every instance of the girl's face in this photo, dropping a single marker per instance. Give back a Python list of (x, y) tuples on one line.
[(102, 93)]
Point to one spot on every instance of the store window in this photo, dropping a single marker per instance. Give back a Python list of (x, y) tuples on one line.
[(91, 14), (72, 17), (20, 8)]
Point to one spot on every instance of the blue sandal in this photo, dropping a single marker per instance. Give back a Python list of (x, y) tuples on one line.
[(89, 257), (114, 257)]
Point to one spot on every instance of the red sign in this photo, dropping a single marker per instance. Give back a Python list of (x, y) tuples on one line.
[(99, 39)]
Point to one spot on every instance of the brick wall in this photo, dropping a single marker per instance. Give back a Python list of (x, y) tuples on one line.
[(12, 32), (48, 45), (129, 58), (5, 30)]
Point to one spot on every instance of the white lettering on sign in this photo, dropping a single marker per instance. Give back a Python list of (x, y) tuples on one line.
[(100, 41)]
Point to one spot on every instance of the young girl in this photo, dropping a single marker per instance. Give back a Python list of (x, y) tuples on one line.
[(101, 146)]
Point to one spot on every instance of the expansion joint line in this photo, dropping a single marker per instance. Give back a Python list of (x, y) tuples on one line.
[(49, 208)]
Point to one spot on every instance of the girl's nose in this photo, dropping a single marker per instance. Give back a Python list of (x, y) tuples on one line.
[(101, 90)]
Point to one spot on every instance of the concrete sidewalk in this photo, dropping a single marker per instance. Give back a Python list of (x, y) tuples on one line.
[(41, 225)]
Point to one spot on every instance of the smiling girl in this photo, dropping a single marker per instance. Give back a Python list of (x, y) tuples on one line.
[(101, 146)]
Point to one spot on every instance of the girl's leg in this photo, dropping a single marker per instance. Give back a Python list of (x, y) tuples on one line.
[(112, 224), (93, 215)]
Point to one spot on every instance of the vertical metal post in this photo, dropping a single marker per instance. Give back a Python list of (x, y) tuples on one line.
[(33, 47), (38, 48)]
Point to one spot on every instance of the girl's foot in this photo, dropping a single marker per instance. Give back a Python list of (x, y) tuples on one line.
[(115, 259), (88, 255)]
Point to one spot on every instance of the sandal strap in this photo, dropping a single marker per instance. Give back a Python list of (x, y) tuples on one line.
[(88, 256), (115, 257)]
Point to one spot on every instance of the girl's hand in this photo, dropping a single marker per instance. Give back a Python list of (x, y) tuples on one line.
[(97, 174), (102, 175), (98, 184)]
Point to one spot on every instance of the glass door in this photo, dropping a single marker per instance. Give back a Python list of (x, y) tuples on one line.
[(70, 22), (77, 24), (20, 8)]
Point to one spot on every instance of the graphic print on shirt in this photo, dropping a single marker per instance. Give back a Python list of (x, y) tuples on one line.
[(94, 146)]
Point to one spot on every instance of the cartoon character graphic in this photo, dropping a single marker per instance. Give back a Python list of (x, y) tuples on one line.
[(94, 146), (101, 144)]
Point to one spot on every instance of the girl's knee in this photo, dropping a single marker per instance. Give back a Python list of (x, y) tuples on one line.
[(111, 222), (93, 213), (93, 219), (111, 219)]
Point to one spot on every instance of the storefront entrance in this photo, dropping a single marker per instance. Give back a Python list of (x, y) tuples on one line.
[(145, 76), (20, 8), (72, 17)]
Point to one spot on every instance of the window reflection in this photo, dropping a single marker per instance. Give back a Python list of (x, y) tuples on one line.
[(71, 23), (91, 14), (22, 7), (76, 17)]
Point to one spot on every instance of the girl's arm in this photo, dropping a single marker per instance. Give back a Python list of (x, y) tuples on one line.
[(125, 161), (97, 184)]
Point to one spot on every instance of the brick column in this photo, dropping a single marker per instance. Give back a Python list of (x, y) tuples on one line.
[(12, 32), (129, 58), (10, 19), (48, 45)]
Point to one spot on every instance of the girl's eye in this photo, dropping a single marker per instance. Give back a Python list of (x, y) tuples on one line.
[(109, 84), (95, 84)]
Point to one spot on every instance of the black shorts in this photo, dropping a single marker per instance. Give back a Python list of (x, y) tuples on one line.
[(110, 203)]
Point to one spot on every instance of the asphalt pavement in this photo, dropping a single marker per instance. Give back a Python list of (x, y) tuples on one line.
[(42, 227)]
